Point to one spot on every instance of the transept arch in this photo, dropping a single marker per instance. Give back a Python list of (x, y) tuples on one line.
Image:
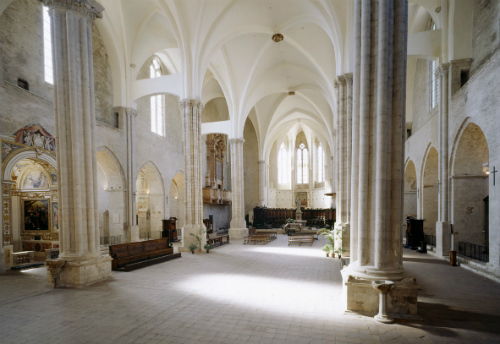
[(410, 192), (176, 198)]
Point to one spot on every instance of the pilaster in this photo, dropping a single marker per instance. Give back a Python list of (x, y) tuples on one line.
[(237, 228), (72, 22), (379, 82)]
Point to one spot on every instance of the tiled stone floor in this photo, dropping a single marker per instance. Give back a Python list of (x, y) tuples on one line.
[(243, 294)]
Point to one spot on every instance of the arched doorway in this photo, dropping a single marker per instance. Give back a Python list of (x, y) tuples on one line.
[(429, 191), (111, 196), (150, 202), (410, 193), (176, 199), (470, 189)]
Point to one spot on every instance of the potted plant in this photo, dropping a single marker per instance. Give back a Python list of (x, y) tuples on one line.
[(192, 247), (207, 247), (198, 238), (327, 248)]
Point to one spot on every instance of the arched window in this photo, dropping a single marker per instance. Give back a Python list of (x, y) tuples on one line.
[(157, 101), (48, 70), (283, 165), (321, 164), (302, 164)]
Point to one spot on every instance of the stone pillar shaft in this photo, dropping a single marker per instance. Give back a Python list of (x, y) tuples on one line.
[(262, 182), (191, 122), (443, 73), (378, 138), (238, 225), (75, 121)]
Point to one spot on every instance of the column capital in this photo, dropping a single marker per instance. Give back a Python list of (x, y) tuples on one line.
[(88, 8), (442, 71), (126, 109), (341, 80), (191, 102), (236, 140), (262, 162), (348, 78)]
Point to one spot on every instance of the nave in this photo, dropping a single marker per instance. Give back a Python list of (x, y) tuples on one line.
[(244, 294)]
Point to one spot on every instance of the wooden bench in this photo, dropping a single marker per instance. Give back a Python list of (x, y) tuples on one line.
[(139, 254), (255, 238), (300, 239), (272, 235), (216, 239)]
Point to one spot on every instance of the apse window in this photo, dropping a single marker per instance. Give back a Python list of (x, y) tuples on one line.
[(283, 165), (302, 164), (321, 164), (47, 47), (157, 101)]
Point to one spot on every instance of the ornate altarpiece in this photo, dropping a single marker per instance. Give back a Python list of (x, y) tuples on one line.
[(214, 191)]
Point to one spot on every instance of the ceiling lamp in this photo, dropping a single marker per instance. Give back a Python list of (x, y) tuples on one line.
[(277, 37), (291, 93)]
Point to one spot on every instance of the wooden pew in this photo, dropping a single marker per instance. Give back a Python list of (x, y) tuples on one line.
[(139, 254), (255, 238), (300, 239), (216, 239)]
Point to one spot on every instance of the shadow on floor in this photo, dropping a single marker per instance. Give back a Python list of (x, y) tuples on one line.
[(425, 260), (441, 320)]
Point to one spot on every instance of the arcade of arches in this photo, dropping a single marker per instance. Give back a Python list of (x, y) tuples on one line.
[(392, 106)]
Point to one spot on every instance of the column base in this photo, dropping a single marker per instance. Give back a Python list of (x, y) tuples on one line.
[(79, 272), (133, 233), (188, 239), (383, 319), (362, 298), (343, 239), (443, 238), (237, 233)]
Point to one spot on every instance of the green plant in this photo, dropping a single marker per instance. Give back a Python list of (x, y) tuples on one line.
[(207, 246), (198, 237), (192, 247), (327, 248), (290, 220)]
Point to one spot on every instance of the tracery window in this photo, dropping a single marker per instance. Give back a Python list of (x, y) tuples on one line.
[(321, 164), (283, 165), (47, 47), (302, 164), (157, 101)]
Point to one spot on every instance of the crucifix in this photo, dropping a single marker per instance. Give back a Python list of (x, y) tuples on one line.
[(418, 193), (439, 185), (494, 171)]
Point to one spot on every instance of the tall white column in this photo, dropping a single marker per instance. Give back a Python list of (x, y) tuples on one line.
[(193, 197), (443, 225), (237, 228), (262, 183), (72, 23), (129, 116), (379, 83)]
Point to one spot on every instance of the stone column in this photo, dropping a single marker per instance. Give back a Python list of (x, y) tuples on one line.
[(193, 198), (237, 228), (262, 182), (379, 86), (72, 22), (443, 225), (129, 116), (4, 210)]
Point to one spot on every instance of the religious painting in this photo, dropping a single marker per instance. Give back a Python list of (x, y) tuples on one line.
[(302, 196), (54, 178), (8, 148), (36, 180), (35, 135), (36, 215), (55, 216)]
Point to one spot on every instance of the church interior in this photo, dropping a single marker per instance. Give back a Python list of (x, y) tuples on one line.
[(229, 134)]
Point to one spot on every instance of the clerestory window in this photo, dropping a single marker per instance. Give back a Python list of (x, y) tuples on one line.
[(302, 164), (283, 165), (47, 47), (157, 101)]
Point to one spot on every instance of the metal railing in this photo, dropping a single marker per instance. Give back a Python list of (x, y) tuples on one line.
[(430, 240), (111, 240), (150, 235), (474, 251)]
